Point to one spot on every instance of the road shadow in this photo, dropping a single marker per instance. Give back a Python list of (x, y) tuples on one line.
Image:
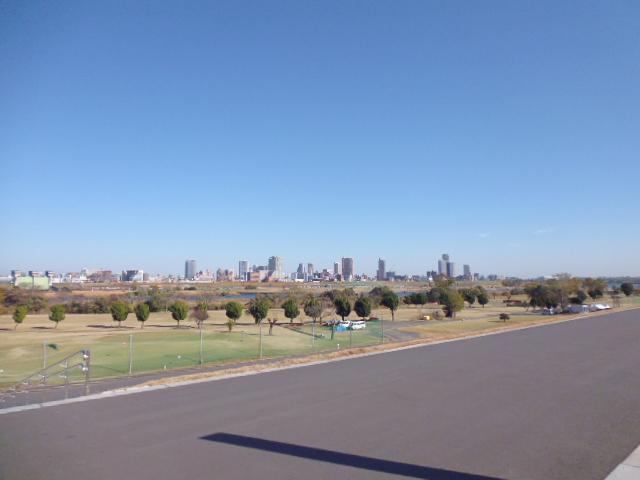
[(341, 458)]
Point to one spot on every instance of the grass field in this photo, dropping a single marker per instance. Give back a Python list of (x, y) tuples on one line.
[(160, 345)]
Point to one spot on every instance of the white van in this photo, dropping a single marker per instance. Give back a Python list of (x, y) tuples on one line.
[(358, 325)]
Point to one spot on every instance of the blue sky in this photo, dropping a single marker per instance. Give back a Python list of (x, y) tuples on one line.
[(139, 134)]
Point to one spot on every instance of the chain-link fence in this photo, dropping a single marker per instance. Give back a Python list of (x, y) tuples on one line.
[(132, 352)]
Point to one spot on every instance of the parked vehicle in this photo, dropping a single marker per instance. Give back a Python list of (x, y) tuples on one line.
[(358, 325)]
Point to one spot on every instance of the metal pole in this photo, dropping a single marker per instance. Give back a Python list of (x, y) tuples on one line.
[(260, 340), (382, 329), (66, 379), (201, 362), (313, 334), (87, 373), (44, 355), (350, 334), (130, 353)]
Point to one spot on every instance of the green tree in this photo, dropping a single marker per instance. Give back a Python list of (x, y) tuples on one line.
[(259, 309), (56, 314), (36, 303), (595, 293), (233, 310), (627, 288), (200, 313), (343, 307), (19, 315), (469, 296), (158, 301), (119, 311), (179, 311), (313, 308), (579, 298), (594, 284), (452, 302), (421, 298), (483, 298), (504, 317), (363, 307), (418, 298), (142, 313), (291, 309), (391, 301)]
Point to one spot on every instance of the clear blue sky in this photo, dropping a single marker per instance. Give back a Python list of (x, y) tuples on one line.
[(139, 134)]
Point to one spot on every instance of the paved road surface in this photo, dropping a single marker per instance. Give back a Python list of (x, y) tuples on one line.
[(555, 402)]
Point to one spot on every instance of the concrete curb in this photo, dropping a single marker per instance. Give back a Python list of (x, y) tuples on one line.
[(629, 469)]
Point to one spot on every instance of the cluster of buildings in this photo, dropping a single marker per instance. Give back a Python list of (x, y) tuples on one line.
[(45, 280), (272, 271)]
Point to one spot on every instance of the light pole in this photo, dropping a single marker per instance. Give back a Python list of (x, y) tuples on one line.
[(260, 327)]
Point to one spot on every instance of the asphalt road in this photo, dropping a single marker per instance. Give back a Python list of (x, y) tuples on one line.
[(554, 402)]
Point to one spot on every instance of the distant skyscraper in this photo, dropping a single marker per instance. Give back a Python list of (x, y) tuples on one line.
[(466, 269), (243, 268), (190, 270), (382, 270), (310, 270), (347, 269), (451, 269), (300, 269), (442, 264), (276, 268), (336, 268)]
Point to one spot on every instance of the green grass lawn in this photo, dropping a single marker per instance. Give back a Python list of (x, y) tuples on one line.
[(174, 348)]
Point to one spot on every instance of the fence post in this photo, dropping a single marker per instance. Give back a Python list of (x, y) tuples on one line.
[(201, 360), (260, 339), (87, 374), (130, 353), (381, 329), (66, 379)]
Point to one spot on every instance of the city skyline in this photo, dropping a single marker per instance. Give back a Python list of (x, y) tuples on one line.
[(506, 136)]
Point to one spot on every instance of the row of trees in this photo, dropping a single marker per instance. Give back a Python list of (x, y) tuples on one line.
[(565, 290), (342, 302)]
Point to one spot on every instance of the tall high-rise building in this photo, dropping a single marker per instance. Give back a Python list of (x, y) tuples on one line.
[(190, 270), (276, 268), (310, 269), (347, 269), (300, 269), (442, 264), (466, 271), (336, 268), (243, 269), (381, 274), (451, 269)]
